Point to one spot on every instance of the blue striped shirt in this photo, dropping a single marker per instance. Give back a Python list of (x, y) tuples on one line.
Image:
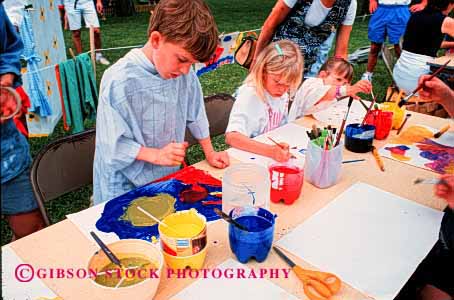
[(139, 108)]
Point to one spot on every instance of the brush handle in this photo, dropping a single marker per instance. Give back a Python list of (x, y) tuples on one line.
[(421, 85), (378, 159), (403, 124), (442, 130), (228, 219), (105, 249)]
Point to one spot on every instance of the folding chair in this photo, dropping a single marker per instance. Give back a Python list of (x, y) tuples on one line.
[(218, 109), (63, 166)]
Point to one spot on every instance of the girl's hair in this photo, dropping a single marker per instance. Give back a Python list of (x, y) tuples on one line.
[(439, 5), (339, 66), (278, 58)]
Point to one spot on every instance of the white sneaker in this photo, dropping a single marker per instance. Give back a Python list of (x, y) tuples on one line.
[(367, 76), (102, 60)]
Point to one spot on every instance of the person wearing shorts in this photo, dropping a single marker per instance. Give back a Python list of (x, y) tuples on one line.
[(389, 19), (75, 11)]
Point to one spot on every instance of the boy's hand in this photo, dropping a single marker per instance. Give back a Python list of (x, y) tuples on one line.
[(218, 159), (373, 6), (362, 86), (171, 155), (445, 189), (281, 153)]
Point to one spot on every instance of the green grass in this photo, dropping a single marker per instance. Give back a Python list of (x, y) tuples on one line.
[(230, 15)]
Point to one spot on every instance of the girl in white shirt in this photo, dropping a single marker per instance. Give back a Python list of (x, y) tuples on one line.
[(262, 101), (333, 82)]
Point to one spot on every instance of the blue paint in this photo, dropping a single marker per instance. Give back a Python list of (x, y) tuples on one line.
[(222, 61), (359, 138), (227, 38), (113, 210), (257, 241)]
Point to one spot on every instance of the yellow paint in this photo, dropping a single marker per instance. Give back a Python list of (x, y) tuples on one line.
[(411, 135), (398, 113), (186, 223), (158, 206), (449, 169), (400, 157)]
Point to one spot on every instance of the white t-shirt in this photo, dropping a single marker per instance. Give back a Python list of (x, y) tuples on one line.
[(318, 12), (249, 114), (394, 2), (15, 11), (309, 93)]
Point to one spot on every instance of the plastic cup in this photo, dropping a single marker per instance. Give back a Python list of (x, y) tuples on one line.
[(257, 240)]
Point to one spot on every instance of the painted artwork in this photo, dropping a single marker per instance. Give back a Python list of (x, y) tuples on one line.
[(417, 146), (128, 216), (334, 114)]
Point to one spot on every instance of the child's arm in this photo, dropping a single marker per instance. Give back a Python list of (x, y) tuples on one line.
[(242, 142), (362, 86), (216, 159), (171, 155)]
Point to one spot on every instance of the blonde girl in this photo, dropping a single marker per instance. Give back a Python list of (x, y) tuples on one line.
[(263, 100)]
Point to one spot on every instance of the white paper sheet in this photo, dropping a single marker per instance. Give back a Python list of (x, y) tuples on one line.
[(334, 114), (228, 289), (441, 156), (86, 220), (372, 239), (292, 134), (12, 288)]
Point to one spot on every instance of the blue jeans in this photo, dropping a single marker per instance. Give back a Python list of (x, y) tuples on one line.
[(322, 57)]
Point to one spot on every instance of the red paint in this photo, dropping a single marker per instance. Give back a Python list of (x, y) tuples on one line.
[(382, 120), (286, 183), (191, 175)]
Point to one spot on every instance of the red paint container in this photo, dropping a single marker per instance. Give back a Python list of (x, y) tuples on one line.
[(286, 182), (383, 122)]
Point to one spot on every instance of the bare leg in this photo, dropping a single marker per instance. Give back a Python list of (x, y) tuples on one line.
[(397, 50), (77, 41), (97, 33), (25, 224), (373, 56)]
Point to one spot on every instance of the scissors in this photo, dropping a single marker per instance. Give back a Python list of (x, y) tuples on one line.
[(317, 285)]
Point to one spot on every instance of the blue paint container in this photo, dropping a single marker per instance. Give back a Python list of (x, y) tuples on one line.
[(359, 138), (257, 240)]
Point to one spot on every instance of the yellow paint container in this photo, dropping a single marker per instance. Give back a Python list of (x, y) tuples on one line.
[(184, 239), (398, 113), (145, 289)]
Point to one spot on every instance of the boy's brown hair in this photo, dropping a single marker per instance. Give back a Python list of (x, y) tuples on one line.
[(188, 23), (340, 66)]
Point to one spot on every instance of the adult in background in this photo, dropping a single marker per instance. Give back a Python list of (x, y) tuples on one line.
[(423, 38), (312, 25), (75, 10), (18, 201)]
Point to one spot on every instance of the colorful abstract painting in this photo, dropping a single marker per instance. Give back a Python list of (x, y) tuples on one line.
[(417, 146), (185, 189)]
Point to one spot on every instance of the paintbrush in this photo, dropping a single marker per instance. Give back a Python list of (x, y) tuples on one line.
[(339, 134), (228, 219), (352, 161), (368, 111), (441, 131), (403, 124), (106, 250), (363, 104), (280, 146), (378, 159), (156, 220), (430, 181), (421, 85)]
